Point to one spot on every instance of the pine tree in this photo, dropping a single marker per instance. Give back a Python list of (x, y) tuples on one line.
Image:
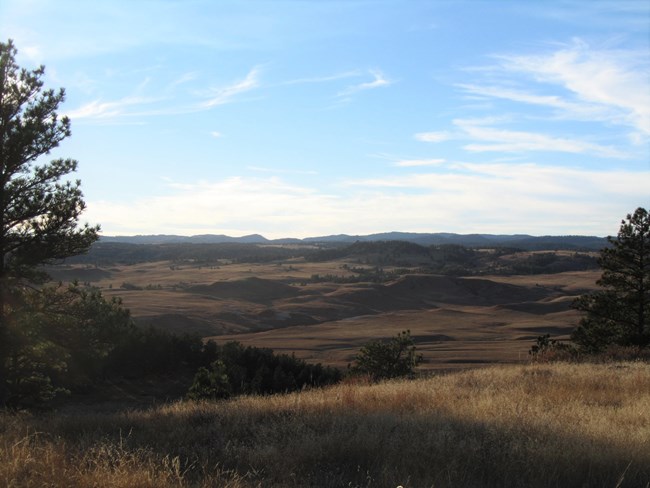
[(39, 207), (620, 313)]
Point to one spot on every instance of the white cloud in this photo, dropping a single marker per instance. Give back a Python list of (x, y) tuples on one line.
[(574, 82), (408, 163), (324, 79), (605, 79), (503, 140), (464, 198), (491, 139), (98, 109), (433, 136), (579, 111), (185, 78), (379, 81), (216, 134), (226, 94)]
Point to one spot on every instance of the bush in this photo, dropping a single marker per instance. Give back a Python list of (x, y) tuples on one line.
[(388, 359), (210, 384), (547, 350)]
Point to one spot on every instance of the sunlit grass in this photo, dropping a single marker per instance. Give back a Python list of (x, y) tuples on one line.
[(537, 425)]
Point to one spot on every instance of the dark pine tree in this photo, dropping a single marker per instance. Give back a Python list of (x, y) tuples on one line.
[(619, 314), (39, 207)]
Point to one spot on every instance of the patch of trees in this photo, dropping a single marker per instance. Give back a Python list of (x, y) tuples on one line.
[(375, 253), (550, 262), (454, 259), (616, 318), (106, 254), (73, 340), (232, 369)]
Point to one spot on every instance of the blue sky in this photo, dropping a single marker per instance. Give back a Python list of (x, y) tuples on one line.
[(305, 118)]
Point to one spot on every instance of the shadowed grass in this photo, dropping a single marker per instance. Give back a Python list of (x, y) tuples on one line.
[(539, 426)]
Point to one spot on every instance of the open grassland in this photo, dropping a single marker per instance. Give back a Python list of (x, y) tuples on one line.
[(455, 321), (556, 425)]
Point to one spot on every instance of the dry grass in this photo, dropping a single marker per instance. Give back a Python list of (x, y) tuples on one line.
[(536, 425), (331, 321)]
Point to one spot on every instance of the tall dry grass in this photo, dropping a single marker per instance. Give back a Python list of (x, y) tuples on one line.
[(556, 425)]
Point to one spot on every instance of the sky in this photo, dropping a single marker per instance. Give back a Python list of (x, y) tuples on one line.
[(309, 118)]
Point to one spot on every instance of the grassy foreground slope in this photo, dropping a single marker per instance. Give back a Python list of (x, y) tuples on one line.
[(534, 425)]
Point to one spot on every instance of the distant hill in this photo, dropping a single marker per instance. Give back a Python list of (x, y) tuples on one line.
[(521, 241)]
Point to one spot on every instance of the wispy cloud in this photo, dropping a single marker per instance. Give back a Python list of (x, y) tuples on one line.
[(379, 81), (98, 109), (261, 169), (503, 140), (480, 135), (574, 110), (573, 82), (609, 84), (433, 136), (184, 78), (324, 79), (409, 163), (167, 103), (226, 94)]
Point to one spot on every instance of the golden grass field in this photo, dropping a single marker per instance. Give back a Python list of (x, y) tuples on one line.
[(456, 322), (539, 425)]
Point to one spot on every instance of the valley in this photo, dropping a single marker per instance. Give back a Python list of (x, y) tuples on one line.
[(325, 310)]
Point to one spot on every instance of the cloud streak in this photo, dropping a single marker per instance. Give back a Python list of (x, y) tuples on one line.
[(226, 94), (166, 104), (379, 81), (606, 84), (610, 78), (433, 136), (98, 109), (411, 163), (503, 140), (486, 138)]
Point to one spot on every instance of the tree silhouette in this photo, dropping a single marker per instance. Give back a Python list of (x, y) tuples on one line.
[(388, 359), (620, 313), (39, 209)]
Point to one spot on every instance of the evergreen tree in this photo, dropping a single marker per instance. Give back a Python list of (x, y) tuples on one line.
[(620, 313), (39, 209)]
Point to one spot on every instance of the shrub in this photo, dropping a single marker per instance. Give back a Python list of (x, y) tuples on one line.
[(388, 359), (210, 384)]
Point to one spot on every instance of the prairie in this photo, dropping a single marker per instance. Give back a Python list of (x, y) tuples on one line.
[(316, 310), (569, 425)]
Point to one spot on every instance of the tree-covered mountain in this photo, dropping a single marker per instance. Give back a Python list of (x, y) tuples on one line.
[(521, 241)]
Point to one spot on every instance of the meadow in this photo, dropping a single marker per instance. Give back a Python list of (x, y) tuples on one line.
[(537, 425)]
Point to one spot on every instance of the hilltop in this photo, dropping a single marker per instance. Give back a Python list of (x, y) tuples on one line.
[(522, 241)]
